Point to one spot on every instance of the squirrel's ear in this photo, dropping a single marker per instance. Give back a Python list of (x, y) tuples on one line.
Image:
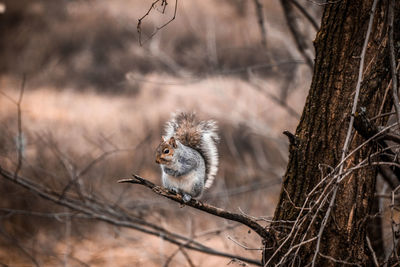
[(162, 138), (172, 142)]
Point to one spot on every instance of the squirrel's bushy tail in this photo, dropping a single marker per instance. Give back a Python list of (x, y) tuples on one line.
[(201, 136)]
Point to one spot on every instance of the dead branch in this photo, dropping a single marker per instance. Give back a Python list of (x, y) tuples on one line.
[(303, 11), (260, 230), (19, 246), (389, 176), (260, 16), (391, 137), (340, 262), (367, 129), (241, 245), (101, 211), (206, 233), (323, 3), (393, 255), (393, 61), (372, 252), (19, 132), (281, 102), (187, 257), (297, 35), (164, 4), (385, 95)]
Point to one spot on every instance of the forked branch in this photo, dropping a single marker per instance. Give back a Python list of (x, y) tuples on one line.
[(164, 4)]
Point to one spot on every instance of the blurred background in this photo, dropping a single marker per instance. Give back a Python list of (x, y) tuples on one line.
[(95, 99)]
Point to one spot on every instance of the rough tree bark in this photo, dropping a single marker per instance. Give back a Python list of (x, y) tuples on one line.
[(317, 145)]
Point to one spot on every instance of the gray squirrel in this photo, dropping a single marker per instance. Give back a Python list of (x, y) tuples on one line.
[(188, 155)]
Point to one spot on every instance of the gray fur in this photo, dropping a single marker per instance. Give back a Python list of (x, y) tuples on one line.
[(207, 147), (186, 173)]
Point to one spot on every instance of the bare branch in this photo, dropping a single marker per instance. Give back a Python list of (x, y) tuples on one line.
[(386, 93), (18, 245), (19, 133), (241, 245), (324, 3), (313, 22), (393, 61), (299, 39), (367, 130), (389, 176), (187, 257), (260, 16), (257, 86), (164, 4), (372, 252), (206, 233), (339, 261), (391, 137), (139, 25), (103, 212), (260, 230)]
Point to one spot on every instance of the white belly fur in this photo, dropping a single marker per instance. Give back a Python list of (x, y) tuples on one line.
[(184, 182)]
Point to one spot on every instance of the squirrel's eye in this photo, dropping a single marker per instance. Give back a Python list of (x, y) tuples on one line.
[(166, 151)]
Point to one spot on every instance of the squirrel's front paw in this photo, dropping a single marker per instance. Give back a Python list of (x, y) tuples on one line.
[(186, 198), (174, 190)]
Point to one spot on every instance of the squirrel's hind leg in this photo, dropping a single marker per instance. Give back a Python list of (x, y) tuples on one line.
[(196, 191)]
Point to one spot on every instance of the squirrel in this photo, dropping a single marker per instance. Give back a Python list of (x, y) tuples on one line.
[(188, 155)]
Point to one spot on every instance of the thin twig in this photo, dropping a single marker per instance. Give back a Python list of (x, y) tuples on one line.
[(19, 246), (295, 31), (241, 245), (372, 252), (19, 129), (386, 93), (187, 257), (303, 11), (139, 25), (391, 137), (393, 225), (325, 3), (257, 86), (260, 16), (339, 261), (393, 61), (205, 233), (76, 175)]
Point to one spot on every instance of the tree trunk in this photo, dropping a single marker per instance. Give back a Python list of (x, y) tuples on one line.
[(316, 148)]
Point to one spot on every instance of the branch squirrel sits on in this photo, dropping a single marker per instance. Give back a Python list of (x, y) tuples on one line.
[(188, 155)]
